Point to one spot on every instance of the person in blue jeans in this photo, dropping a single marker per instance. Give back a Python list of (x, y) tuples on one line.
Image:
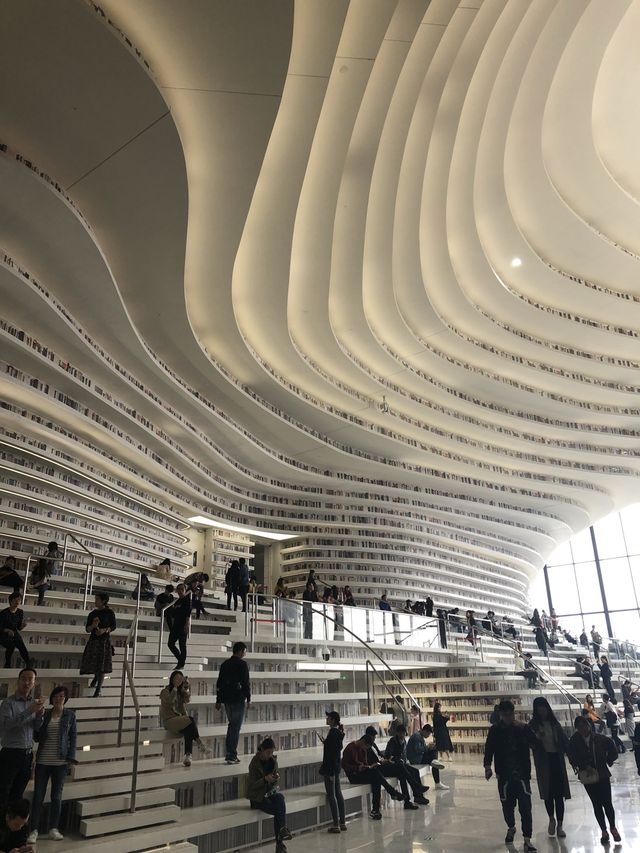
[(263, 791), (56, 740), (233, 690)]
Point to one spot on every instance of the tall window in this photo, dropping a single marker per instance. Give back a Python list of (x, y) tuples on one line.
[(594, 579)]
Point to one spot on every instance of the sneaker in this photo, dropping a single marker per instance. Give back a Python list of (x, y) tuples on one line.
[(511, 834), (281, 847), (529, 847), (438, 765), (423, 801), (615, 833), (205, 749), (560, 831), (32, 837), (187, 760), (284, 834), (231, 759), (334, 829), (55, 835), (409, 806), (375, 816), (442, 787), (343, 827), (551, 829), (605, 838)]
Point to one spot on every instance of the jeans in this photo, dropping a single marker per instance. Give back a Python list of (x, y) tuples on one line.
[(178, 634), (232, 592), (15, 770), (600, 796), (335, 798), (275, 805), (244, 590), (609, 688), (518, 791), (41, 591), (12, 643), (190, 734), (57, 774), (428, 756), (235, 716), (373, 777)]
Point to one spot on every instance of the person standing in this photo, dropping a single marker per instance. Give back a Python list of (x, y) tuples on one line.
[(54, 556), (174, 699), (232, 584), (97, 658), (234, 692), (181, 622), (56, 740), (508, 745), (551, 769), (539, 631), (383, 604), (163, 600), (359, 771), (607, 675), (628, 695), (330, 771), (589, 711), (263, 792), (12, 621), (310, 596), (420, 750), (440, 730), (20, 716), (40, 578), (609, 712), (442, 628), (596, 642), (591, 756), (243, 581), (429, 606)]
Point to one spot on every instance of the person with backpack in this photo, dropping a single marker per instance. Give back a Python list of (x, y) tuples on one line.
[(549, 758), (591, 755), (330, 771), (507, 746), (233, 690)]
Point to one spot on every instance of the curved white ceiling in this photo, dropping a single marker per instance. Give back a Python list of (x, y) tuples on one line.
[(365, 263)]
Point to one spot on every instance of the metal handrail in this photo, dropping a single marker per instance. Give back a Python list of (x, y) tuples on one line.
[(128, 675), (362, 642), (370, 666)]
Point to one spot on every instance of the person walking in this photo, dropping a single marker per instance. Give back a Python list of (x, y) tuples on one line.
[(97, 658), (609, 713), (440, 730), (472, 629), (163, 600), (628, 696), (20, 716), (421, 750), (56, 740), (234, 692), (232, 584), (180, 625), (551, 769), (174, 699), (508, 745), (591, 755), (12, 622), (330, 771), (607, 675), (596, 642), (263, 792), (243, 587), (359, 771), (540, 634)]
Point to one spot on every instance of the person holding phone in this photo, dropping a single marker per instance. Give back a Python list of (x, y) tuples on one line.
[(330, 771), (174, 717), (13, 828), (263, 792), (20, 716), (98, 652), (56, 740)]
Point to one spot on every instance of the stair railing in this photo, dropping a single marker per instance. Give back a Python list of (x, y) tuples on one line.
[(128, 675)]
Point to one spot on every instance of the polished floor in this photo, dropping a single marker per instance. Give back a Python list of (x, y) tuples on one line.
[(468, 819)]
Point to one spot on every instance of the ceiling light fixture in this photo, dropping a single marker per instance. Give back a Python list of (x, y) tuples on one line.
[(265, 534), (516, 262)]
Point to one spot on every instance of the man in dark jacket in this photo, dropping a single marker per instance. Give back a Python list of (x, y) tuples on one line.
[(508, 745), (310, 596), (232, 584), (359, 770), (234, 692), (395, 764), (12, 621)]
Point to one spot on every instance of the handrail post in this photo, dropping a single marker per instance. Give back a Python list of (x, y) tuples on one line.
[(134, 770), (64, 556), (123, 682), (26, 579), (367, 676), (284, 636), (86, 588)]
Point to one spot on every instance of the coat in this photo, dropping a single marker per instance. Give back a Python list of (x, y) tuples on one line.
[(441, 733), (581, 755), (542, 764), (67, 733), (257, 786), (173, 709)]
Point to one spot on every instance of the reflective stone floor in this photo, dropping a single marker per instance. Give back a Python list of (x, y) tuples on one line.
[(468, 818)]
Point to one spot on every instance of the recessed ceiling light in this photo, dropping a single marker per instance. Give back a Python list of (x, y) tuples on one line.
[(516, 262), (266, 534)]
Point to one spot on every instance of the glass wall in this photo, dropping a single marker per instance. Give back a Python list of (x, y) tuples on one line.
[(594, 579)]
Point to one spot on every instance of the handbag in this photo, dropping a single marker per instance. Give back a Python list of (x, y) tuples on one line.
[(590, 775)]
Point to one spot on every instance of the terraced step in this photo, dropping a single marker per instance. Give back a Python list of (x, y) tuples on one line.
[(122, 802), (125, 821)]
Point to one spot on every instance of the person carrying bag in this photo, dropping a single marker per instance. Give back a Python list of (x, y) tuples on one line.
[(591, 755)]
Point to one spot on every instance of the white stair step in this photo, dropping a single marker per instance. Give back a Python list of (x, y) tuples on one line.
[(116, 768), (109, 753), (121, 802), (184, 847), (126, 821)]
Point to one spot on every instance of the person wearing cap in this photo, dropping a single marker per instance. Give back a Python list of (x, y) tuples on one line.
[(419, 751)]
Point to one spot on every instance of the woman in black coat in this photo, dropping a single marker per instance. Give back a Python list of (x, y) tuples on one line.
[(330, 770), (551, 769), (97, 655), (592, 755), (440, 731), (607, 675)]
